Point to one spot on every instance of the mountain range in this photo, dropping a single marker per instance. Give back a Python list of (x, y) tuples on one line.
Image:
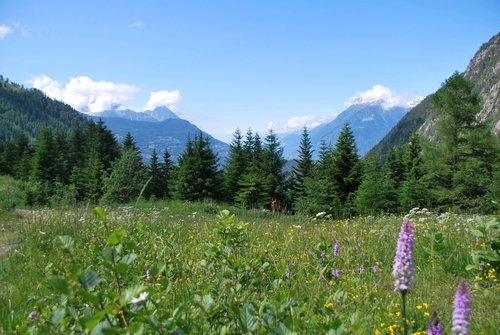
[(158, 129), (369, 123), (484, 72)]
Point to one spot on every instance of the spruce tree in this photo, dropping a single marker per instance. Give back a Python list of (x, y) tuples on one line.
[(168, 173), (305, 164), (469, 148), (157, 185), (345, 170), (127, 178), (235, 167), (376, 192), (272, 167), (129, 143), (198, 176)]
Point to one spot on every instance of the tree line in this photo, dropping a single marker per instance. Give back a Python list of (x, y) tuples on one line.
[(88, 164)]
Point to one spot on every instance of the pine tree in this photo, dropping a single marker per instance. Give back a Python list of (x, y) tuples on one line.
[(44, 159), (305, 164), (126, 180), (76, 148), (198, 176), (235, 167), (345, 170), (100, 139), (469, 148), (169, 173), (394, 167), (376, 192), (129, 143), (272, 167), (157, 185)]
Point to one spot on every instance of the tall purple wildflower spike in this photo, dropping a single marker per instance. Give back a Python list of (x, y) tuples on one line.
[(461, 310), (435, 326), (403, 262), (336, 248)]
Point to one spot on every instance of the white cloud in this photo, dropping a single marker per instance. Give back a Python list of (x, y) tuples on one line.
[(308, 121), (163, 98), (136, 24), (380, 94), (25, 33), (86, 95), (4, 31)]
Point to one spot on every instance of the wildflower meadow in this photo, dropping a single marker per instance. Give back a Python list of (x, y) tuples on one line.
[(198, 268)]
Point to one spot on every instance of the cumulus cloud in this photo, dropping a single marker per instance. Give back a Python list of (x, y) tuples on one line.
[(163, 98), (379, 94), (85, 94), (4, 31), (308, 121)]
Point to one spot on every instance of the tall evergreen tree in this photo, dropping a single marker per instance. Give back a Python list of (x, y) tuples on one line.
[(235, 168), (345, 170), (126, 180), (100, 139), (469, 148), (394, 167), (198, 176), (169, 173), (157, 185), (129, 143), (44, 159), (305, 164), (413, 191), (272, 166), (376, 192), (76, 148)]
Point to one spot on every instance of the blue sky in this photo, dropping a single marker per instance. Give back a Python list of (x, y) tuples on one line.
[(228, 64)]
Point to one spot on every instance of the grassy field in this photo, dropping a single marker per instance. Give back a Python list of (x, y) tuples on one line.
[(180, 268)]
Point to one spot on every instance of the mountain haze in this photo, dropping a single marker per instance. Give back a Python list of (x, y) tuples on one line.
[(369, 123), (484, 72)]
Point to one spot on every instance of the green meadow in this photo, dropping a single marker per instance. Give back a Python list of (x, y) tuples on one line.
[(202, 268)]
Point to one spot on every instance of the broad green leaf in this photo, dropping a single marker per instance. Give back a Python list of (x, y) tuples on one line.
[(131, 293), (57, 316), (101, 214), (248, 318), (128, 259), (89, 279), (59, 284), (66, 242), (116, 237)]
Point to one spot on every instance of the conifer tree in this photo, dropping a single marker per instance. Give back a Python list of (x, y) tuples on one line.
[(272, 167), (376, 192), (198, 176), (235, 168), (126, 180), (169, 173), (157, 185), (305, 164), (469, 149), (129, 143), (100, 139), (345, 170)]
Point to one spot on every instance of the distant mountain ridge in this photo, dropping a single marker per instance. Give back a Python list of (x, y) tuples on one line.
[(160, 113), (484, 72), (171, 134), (369, 123)]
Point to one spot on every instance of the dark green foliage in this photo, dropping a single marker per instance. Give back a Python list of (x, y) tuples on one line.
[(394, 167), (169, 172), (376, 193), (237, 164), (126, 180), (345, 170), (252, 193), (468, 151), (29, 111), (157, 186), (304, 167), (198, 176), (272, 167), (98, 138), (129, 143)]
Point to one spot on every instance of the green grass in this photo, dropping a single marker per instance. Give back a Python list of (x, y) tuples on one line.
[(270, 273)]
